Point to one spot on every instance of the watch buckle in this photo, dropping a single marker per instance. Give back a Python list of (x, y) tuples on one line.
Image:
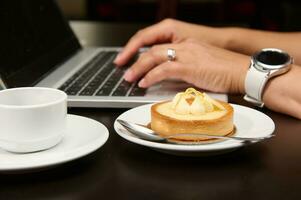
[(254, 101)]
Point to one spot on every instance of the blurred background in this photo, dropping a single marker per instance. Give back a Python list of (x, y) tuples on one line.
[(280, 15)]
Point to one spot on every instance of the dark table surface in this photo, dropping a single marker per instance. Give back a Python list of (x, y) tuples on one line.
[(123, 170)]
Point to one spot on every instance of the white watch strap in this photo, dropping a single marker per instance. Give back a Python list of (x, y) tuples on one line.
[(254, 85)]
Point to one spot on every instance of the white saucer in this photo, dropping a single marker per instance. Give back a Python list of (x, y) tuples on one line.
[(248, 122), (83, 136)]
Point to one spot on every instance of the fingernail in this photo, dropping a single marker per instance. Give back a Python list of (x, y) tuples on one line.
[(116, 60), (142, 83), (128, 75)]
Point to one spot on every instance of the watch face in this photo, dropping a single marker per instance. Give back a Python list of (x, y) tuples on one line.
[(272, 59)]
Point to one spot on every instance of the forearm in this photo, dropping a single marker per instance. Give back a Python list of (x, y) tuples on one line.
[(248, 41), (283, 93)]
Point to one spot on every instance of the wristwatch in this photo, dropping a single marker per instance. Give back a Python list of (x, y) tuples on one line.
[(265, 64)]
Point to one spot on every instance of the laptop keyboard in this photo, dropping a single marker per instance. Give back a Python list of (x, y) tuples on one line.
[(100, 77)]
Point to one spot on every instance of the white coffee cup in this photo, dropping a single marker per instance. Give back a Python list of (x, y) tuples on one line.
[(32, 118)]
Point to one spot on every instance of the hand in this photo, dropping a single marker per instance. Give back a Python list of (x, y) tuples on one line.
[(205, 66), (169, 31)]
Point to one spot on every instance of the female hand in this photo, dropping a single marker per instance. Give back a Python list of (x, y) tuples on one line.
[(169, 31), (203, 65)]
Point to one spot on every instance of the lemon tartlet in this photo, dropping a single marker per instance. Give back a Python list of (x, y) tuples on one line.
[(192, 112)]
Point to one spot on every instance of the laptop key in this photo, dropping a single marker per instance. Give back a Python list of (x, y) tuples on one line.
[(93, 66), (122, 89), (97, 80), (87, 93), (89, 89), (91, 76), (103, 92), (110, 83), (73, 90), (64, 86), (137, 91), (81, 75), (69, 92)]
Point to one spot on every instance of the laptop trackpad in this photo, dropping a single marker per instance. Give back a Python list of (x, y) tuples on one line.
[(167, 90)]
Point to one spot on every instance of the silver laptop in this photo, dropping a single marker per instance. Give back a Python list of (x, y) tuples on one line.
[(40, 49)]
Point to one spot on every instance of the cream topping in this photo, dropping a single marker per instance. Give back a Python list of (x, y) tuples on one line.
[(193, 102), (165, 109)]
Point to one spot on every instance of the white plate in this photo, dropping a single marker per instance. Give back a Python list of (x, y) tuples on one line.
[(248, 122), (82, 137)]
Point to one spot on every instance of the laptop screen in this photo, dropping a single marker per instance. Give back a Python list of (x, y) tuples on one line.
[(35, 38)]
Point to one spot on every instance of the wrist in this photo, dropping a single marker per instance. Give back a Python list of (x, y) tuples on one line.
[(220, 37), (230, 39), (243, 66), (281, 93), (265, 66)]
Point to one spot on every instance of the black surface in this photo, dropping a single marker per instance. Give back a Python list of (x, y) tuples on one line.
[(123, 170)]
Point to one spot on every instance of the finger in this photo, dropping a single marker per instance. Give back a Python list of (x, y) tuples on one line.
[(154, 34), (148, 60), (144, 63), (167, 70)]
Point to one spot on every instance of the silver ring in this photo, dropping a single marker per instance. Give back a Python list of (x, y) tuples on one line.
[(171, 54)]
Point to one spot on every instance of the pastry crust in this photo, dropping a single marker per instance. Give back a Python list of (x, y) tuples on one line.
[(168, 124)]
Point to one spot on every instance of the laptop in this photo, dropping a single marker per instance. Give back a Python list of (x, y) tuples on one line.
[(38, 48)]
